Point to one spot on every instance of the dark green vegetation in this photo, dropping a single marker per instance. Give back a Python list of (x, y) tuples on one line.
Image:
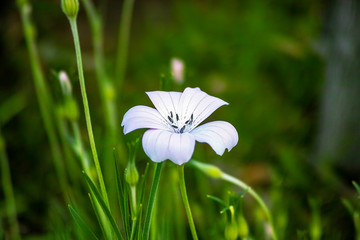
[(266, 58)]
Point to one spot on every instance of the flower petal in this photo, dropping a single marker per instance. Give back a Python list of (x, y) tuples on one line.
[(165, 102), (218, 134), (160, 145), (143, 117), (200, 104)]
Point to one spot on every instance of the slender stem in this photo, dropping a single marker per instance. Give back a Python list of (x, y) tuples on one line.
[(123, 43), (42, 93), (86, 108), (107, 91), (243, 185), (186, 201), (152, 196), (8, 192), (133, 199)]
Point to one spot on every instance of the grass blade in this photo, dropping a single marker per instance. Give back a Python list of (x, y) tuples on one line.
[(96, 194), (81, 223)]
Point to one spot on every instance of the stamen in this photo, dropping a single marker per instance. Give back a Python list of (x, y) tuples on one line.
[(170, 119), (182, 129), (191, 118)]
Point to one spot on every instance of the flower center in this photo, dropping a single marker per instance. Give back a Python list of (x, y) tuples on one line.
[(178, 125)]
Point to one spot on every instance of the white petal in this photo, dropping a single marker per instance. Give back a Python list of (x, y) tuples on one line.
[(143, 117), (218, 134), (200, 104), (165, 102), (160, 145)]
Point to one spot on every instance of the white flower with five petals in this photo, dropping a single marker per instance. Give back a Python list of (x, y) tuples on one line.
[(173, 125)]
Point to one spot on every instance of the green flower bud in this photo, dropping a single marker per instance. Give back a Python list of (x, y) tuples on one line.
[(131, 174), (231, 231), (209, 169), (71, 110), (70, 7), (243, 227)]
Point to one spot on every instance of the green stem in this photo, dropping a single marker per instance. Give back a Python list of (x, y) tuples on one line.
[(152, 196), (186, 201), (8, 192), (86, 108), (123, 43), (243, 185), (133, 200), (42, 93), (107, 91)]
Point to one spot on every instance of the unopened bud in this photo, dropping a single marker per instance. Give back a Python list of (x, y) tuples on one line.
[(209, 169), (70, 7), (177, 70), (243, 227), (65, 83), (131, 174)]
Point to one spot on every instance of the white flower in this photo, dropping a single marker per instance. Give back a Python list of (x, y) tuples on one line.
[(174, 125)]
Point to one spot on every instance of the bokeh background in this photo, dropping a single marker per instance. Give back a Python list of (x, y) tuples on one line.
[(289, 69)]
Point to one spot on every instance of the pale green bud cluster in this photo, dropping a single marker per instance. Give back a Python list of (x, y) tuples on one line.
[(131, 174), (70, 7)]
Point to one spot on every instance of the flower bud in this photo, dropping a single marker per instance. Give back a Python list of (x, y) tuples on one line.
[(65, 83), (131, 174), (243, 227), (231, 229), (209, 169), (177, 70), (70, 7)]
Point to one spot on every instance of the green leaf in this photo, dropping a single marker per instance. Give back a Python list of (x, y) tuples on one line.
[(122, 197), (81, 223), (95, 192), (356, 186)]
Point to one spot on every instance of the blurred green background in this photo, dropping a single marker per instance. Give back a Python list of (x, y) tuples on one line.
[(287, 68)]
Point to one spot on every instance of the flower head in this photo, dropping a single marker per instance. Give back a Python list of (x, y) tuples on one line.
[(173, 125)]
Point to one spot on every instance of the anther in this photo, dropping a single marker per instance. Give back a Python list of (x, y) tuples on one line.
[(170, 119), (177, 117), (182, 129)]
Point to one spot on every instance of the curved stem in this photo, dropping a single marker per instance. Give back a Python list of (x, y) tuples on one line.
[(186, 201), (243, 185), (215, 172), (86, 108), (152, 196)]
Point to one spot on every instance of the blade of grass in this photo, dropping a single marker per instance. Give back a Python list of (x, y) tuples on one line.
[(81, 223), (121, 197), (103, 205)]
